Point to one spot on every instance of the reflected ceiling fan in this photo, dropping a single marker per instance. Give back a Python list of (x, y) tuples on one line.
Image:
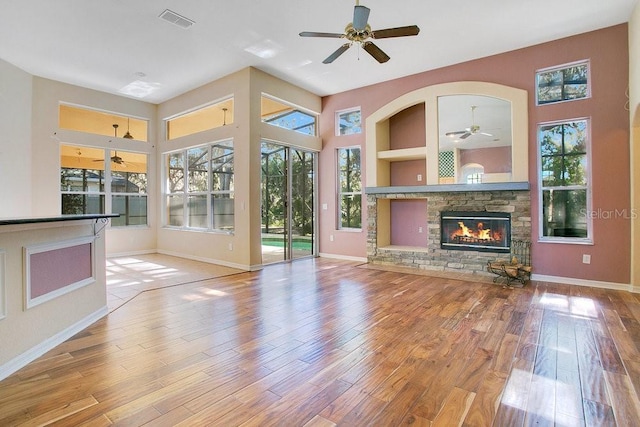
[(360, 32), (474, 129)]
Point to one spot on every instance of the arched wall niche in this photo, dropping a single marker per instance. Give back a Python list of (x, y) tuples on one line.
[(379, 155)]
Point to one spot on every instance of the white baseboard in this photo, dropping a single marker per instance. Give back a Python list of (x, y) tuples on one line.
[(207, 260), (32, 354), (582, 282), (343, 257), (132, 253)]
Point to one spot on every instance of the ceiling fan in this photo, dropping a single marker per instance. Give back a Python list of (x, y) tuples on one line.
[(359, 31), (474, 129)]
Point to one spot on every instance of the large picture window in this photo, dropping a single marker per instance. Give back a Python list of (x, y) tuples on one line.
[(84, 176), (349, 189), (564, 180), (199, 189)]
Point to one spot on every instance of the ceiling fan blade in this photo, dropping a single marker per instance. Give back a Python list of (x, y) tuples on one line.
[(342, 49), (411, 30), (466, 135), (376, 52), (360, 17), (315, 34), (456, 133)]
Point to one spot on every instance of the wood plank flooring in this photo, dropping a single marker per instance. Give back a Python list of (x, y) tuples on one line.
[(321, 342)]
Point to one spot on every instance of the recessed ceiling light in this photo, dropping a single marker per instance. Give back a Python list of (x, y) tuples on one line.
[(139, 89), (265, 49)]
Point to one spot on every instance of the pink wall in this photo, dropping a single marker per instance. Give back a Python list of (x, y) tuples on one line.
[(408, 217), (607, 50), (494, 160)]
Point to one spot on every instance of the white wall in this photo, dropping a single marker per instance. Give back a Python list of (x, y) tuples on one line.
[(15, 141), (47, 137), (241, 249)]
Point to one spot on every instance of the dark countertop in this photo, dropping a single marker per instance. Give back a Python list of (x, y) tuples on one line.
[(54, 218)]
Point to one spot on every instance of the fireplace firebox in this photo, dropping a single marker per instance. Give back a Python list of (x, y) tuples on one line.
[(475, 231)]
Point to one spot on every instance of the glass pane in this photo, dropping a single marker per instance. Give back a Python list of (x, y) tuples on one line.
[(302, 218), (125, 182), (198, 174), (84, 180), (576, 75), (76, 204), (132, 210), (223, 212), (222, 167), (351, 211), (564, 213), (550, 86), (349, 170), (575, 137), (349, 122), (550, 140), (575, 170), (175, 210), (279, 114), (175, 172), (197, 206)]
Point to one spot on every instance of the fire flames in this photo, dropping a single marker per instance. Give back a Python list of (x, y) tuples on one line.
[(480, 233)]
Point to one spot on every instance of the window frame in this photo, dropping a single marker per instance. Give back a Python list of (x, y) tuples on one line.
[(588, 240), (272, 120), (561, 68), (106, 192), (186, 194), (345, 111), (340, 194)]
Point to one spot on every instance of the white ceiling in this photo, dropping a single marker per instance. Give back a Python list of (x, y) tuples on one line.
[(102, 44)]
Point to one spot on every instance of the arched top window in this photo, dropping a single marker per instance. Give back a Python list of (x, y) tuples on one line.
[(471, 173)]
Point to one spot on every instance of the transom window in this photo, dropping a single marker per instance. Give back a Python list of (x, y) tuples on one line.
[(199, 189), (349, 189), (84, 119), (564, 180), (348, 122), (564, 83), (201, 119), (278, 113)]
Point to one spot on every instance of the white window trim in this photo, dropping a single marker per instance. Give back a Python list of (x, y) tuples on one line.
[(565, 240), (345, 111)]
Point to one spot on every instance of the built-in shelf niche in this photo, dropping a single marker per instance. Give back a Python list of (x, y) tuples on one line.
[(382, 144)]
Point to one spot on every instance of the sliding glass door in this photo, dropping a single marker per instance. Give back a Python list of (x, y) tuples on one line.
[(288, 204)]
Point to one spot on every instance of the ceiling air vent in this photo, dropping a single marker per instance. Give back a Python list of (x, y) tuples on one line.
[(174, 18)]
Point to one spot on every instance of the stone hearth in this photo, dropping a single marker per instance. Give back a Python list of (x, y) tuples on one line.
[(514, 199)]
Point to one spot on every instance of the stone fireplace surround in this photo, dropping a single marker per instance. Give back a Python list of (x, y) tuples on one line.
[(514, 198)]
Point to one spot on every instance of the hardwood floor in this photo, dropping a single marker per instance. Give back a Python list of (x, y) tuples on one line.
[(321, 342)]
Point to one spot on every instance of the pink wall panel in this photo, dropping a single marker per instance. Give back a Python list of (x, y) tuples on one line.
[(494, 160), (408, 217), (57, 268), (607, 50)]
